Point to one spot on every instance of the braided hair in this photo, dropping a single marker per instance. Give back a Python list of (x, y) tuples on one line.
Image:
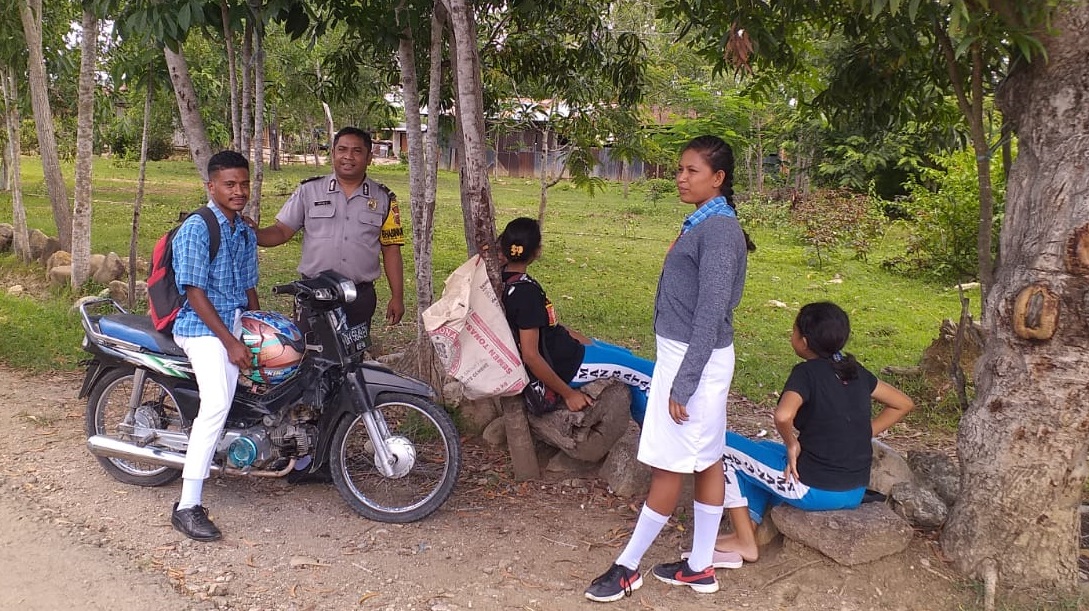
[(719, 156), (825, 327)]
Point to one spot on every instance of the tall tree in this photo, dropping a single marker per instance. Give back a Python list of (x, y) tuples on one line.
[(1023, 443), (189, 109), (12, 122), (81, 219), (30, 13), (232, 74)]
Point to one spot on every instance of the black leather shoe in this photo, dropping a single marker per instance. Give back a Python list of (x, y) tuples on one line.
[(193, 522)]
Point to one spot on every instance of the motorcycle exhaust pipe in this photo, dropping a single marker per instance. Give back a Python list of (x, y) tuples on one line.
[(108, 447)]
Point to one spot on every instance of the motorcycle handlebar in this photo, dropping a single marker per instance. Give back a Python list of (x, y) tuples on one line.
[(285, 289)]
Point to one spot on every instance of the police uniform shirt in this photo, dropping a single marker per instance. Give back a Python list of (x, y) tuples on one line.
[(343, 232)]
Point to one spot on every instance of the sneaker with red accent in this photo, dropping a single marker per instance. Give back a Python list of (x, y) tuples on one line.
[(679, 574), (616, 583)]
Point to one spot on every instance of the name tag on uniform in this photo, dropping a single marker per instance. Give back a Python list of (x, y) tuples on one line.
[(323, 203)]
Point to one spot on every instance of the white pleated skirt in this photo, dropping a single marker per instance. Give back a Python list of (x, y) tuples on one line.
[(696, 444)]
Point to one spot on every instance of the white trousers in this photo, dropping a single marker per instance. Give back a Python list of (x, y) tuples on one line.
[(217, 378)]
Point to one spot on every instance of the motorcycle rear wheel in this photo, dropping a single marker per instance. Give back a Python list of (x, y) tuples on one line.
[(425, 442), (109, 413)]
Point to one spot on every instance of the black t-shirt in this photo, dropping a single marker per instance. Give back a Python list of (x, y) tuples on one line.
[(528, 307), (833, 425)]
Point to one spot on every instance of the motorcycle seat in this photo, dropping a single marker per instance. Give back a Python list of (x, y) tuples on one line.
[(138, 330)]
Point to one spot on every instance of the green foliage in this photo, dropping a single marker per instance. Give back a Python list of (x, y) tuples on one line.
[(658, 189), (945, 207), (831, 219)]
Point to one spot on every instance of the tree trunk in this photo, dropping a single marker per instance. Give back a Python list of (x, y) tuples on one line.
[(542, 202), (1023, 443), (9, 87), (81, 217), (625, 177), (253, 208), (422, 217), (232, 70), (426, 360), (476, 192), (247, 89), (31, 14), (330, 130), (189, 110), (138, 205), (273, 139)]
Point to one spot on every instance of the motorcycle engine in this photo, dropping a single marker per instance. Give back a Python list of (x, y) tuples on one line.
[(294, 439)]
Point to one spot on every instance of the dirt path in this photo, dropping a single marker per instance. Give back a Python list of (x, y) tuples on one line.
[(72, 537)]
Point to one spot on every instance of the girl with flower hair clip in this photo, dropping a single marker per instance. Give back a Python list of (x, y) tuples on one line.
[(561, 358)]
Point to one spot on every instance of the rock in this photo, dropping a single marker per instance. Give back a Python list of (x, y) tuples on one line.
[(495, 434), (112, 268), (453, 393), (16, 290), (888, 468), (7, 236), (96, 262), (60, 275), (590, 434), (562, 463), (42, 246), (848, 536), (479, 413), (626, 476), (938, 472), (119, 291), (920, 506), (61, 257)]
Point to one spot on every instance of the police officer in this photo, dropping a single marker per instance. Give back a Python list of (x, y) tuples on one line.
[(347, 219)]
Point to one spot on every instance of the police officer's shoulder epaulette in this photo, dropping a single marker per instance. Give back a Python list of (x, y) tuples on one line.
[(311, 179), (389, 192)]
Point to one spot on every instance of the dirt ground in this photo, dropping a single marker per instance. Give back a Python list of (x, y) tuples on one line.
[(72, 537)]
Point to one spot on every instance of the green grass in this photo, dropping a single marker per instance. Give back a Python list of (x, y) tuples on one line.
[(602, 256)]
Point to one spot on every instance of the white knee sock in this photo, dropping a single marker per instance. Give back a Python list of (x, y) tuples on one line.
[(191, 492), (648, 526), (704, 533)]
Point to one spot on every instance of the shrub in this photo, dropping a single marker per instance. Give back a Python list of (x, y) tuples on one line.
[(945, 207), (659, 189), (831, 219)]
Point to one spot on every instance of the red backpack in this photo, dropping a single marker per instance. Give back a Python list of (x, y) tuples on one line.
[(164, 300)]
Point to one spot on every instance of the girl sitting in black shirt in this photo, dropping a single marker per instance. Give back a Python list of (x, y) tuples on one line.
[(562, 359)]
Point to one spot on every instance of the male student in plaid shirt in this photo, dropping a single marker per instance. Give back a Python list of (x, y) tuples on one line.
[(207, 327)]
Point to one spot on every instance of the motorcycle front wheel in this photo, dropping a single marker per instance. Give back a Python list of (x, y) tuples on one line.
[(110, 412), (423, 454)]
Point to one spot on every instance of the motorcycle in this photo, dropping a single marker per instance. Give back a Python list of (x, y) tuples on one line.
[(394, 455)]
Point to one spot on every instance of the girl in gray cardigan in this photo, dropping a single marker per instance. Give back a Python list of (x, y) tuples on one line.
[(685, 423)]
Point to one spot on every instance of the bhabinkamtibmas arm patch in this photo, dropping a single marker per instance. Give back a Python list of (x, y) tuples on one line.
[(392, 232)]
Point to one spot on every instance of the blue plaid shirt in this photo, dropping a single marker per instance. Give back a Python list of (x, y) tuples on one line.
[(225, 280), (716, 206)]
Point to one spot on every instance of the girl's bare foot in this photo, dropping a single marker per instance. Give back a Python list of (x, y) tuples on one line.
[(730, 542)]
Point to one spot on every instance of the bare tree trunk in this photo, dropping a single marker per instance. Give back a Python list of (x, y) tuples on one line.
[(138, 205), (273, 139), (31, 14), (232, 69), (253, 208), (247, 89), (81, 218), (9, 87), (330, 128), (189, 110), (542, 204), (426, 360), (421, 216), (476, 191), (1023, 443), (625, 177)]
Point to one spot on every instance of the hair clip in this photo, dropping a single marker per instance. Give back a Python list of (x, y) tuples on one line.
[(838, 356), (515, 250)]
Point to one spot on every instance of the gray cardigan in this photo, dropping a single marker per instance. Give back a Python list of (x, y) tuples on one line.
[(700, 286)]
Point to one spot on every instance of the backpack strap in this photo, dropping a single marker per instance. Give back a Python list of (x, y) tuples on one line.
[(209, 216)]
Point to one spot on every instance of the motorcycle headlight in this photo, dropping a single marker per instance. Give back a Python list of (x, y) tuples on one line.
[(347, 288)]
